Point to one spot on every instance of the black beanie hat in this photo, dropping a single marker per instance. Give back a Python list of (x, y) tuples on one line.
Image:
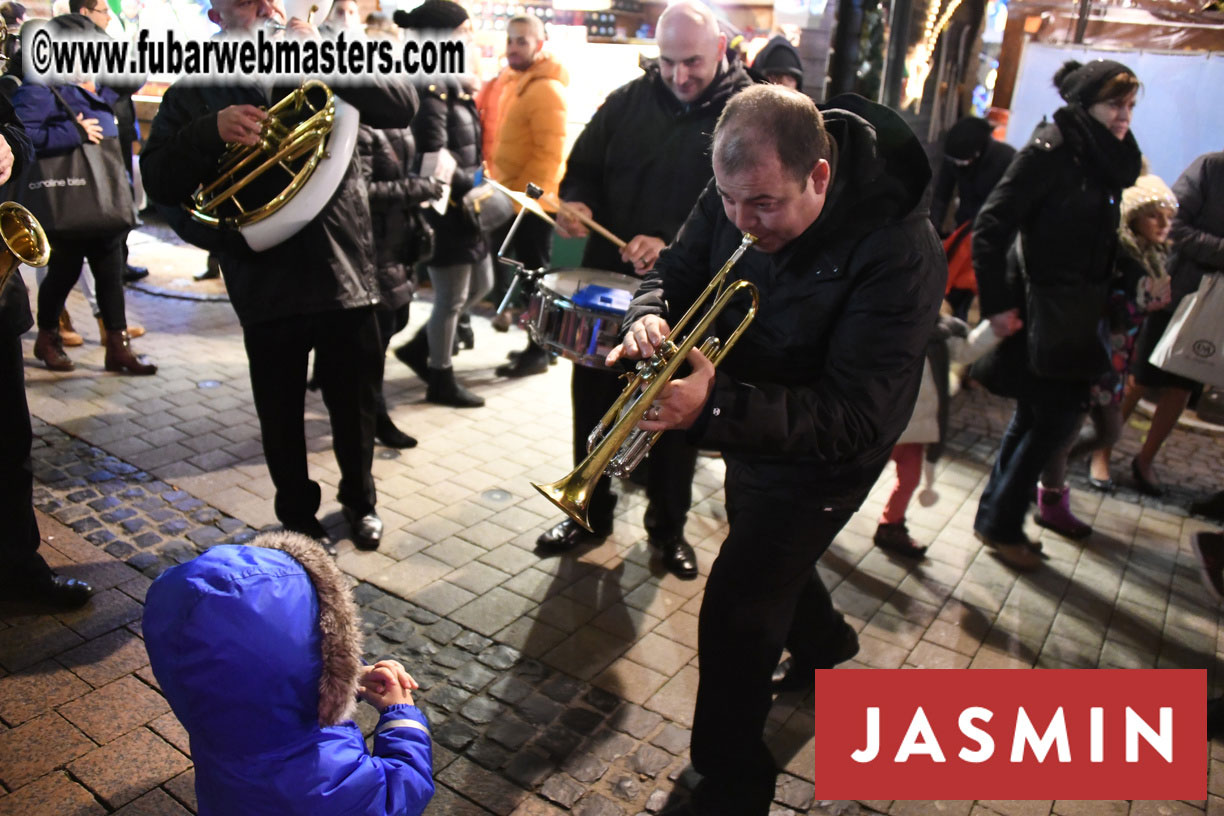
[(432, 15), (1082, 84), (779, 57), (968, 138)]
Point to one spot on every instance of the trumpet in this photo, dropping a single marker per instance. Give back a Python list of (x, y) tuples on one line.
[(25, 242), (616, 445)]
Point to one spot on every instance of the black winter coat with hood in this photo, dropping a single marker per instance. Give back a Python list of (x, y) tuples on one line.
[(1062, 196), (823, 382), (388, 159), (329, 264), (449, 119), (643, 159)]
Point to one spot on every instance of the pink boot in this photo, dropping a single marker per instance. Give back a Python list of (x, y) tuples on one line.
[(1054, 512)]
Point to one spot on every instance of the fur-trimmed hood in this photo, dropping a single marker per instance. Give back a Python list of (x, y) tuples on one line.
[(256, 646)]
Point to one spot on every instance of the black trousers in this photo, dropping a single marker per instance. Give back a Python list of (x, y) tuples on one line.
[(672, 462), (107, 258), (763, 593), (532, 245), (19, 558), (348, 369)]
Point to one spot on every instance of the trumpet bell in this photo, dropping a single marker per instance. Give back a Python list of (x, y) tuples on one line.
[(24, 240), (572, 496)]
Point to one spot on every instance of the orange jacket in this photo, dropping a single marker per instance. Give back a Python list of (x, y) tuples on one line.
[(529, 111)]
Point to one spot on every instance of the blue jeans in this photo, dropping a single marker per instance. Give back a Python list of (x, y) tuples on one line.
[(1038, 429)]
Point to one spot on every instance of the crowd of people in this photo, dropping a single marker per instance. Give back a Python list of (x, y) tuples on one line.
[(1077, 259)]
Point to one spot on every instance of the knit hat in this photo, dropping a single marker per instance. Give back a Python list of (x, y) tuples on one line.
[(779, 57), (432, 15), (1079, 83), (968, 138), (1147, 190)]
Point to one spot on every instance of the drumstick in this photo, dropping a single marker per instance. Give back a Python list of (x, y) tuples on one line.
[(591, 223)]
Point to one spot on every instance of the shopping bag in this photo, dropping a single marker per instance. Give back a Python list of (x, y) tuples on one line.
[(1191, 346), (81, 194)]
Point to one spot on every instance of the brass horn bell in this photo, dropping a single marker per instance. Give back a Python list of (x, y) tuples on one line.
[(25, 242)]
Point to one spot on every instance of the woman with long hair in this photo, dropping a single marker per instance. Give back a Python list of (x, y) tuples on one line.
[(1044, 246)]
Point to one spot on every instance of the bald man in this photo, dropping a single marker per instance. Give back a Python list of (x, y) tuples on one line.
[(638, 167)]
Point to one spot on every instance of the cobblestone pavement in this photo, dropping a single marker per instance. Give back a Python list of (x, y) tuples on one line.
[(554, 685)]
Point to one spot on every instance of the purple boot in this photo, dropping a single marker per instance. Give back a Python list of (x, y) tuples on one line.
[(1054, 512)]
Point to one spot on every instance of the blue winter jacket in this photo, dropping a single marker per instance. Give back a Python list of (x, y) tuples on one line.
[(52, 129), (257, 650)]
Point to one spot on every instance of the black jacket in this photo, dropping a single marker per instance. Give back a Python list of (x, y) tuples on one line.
[(449, 119), (1198, 229), (15, 317), (329, 264), (1067, 218), (387, 161), (643, 159), (824, 380), (972, 184)]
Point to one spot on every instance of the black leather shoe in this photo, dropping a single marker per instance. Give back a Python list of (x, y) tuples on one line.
[(415, 355), (568, 534), (391, 436), (1142, 484), (58, 591), (677, 556), (1103, 485), (526, 364), (367, 529), (790, 676), (135, 273)]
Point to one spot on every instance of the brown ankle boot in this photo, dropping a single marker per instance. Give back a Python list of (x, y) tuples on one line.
[(68, 335), (50, 350), (119, 356)]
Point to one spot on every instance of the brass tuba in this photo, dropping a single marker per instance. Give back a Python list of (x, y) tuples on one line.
[(24, 241), (616, 445), (309, 138)]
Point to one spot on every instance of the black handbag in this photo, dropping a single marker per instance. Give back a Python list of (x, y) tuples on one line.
[(485, 208), (422, 240), (1066, 330), (84, 193)]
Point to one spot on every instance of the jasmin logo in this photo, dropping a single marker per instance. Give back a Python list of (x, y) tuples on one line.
[(1011, 734)]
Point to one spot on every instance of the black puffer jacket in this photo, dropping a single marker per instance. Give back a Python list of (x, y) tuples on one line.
[(1198, 229), (388, 158), (330, 263), (823, 382), (1066, 214), (643, 160), (449, 119), (971, 184)]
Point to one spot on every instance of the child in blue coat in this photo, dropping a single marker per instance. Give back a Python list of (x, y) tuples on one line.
[(258, 650)]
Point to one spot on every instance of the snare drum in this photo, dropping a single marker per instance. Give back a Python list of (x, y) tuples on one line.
[(577, 313)]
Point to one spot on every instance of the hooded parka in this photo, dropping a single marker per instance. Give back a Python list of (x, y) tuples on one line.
[(257, 649)]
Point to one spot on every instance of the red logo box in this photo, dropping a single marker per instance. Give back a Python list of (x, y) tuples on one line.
[(1011, 734)]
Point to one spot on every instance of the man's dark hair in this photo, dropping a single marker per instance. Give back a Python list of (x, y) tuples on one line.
[(12, 12), (75, 6), (770, 115)]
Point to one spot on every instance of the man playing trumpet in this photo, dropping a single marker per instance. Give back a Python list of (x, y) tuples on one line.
[(315, 291), (807, 405)]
